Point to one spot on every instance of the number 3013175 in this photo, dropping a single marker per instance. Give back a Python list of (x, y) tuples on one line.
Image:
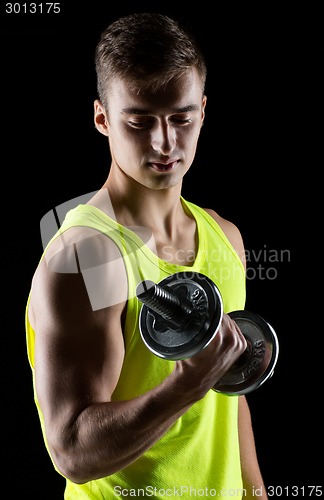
[(33, 8)]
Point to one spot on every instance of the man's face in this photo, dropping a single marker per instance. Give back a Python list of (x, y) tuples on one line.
[(153, 137)]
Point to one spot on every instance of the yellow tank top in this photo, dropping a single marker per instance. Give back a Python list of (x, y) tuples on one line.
[(199, 455)]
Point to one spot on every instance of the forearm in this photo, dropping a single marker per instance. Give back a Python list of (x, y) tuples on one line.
[(106, 437)]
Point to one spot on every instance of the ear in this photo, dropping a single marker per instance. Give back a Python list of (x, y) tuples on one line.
[(100, 118), (203, 105)]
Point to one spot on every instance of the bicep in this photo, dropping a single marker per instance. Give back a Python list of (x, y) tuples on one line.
[(78, 351)]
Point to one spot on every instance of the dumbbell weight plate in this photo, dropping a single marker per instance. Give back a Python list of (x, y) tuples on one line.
[(173, 343), (258, 362)]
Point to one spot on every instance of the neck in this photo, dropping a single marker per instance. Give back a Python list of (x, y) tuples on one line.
[(137, 205)]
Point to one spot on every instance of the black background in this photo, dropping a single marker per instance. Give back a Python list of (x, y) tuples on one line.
[(257, 164)]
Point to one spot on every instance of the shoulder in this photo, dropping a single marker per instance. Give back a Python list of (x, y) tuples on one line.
[(80, 270), (231, 232), (79, 248)]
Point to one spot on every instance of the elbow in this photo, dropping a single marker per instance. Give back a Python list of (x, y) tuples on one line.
[(78, 472), (68, 460), (76, 465), (69, 465)]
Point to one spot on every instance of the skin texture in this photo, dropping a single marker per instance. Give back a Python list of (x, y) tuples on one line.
[(152, 140)]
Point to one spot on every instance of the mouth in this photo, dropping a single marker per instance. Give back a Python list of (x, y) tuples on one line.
[(164, 167)]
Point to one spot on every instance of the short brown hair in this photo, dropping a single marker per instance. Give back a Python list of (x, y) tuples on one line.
[(147, 49)]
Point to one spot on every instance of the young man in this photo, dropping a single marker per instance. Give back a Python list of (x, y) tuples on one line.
[(118, 420)]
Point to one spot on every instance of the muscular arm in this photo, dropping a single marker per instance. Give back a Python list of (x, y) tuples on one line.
[(79, 354), (252, 478), (78, 358)]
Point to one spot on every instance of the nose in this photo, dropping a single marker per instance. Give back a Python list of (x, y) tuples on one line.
[(163, 138)]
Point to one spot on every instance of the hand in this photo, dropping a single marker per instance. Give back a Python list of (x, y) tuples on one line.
[(202, 371)]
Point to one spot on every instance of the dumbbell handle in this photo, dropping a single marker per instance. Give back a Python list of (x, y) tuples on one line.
[(165, 303)]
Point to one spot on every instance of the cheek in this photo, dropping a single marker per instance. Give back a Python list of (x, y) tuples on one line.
[(189, 139), (125, 144), (136, 140), (130, 153)]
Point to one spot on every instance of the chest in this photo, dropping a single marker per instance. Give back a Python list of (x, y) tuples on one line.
[(180, 250)]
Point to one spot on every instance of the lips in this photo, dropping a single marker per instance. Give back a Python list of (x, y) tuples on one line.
[(164, 167)]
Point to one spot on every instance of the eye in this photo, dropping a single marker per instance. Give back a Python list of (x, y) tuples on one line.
[(181, 120), (140, 124)]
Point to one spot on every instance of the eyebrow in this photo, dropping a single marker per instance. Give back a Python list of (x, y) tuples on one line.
[(141, 111)]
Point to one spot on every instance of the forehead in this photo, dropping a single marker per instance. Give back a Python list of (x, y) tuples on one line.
[(178, 93)]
